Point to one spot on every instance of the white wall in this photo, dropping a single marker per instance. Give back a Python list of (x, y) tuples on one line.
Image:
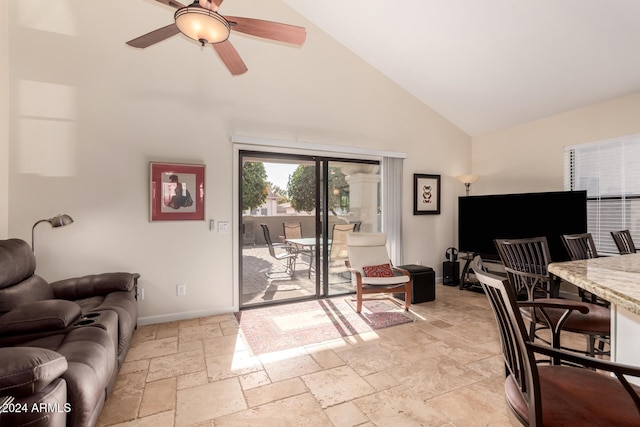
[(110, 109), (4, 123), (529, 157)]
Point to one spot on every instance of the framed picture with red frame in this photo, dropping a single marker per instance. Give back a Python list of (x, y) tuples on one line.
[(177, 192)]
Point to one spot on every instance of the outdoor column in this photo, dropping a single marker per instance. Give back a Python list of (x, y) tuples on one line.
[(363, 196)]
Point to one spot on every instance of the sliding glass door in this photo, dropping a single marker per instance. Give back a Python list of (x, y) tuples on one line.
[(295, 213), (352, 205)]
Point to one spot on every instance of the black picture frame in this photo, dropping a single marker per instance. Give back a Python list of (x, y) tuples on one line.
[(426, 194)]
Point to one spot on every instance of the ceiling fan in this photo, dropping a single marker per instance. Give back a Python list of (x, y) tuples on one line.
[(201, 21)]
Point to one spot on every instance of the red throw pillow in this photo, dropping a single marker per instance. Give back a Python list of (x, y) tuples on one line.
[(383, 270)]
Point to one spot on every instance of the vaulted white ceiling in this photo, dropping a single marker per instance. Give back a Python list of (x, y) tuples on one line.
[(489, 64)]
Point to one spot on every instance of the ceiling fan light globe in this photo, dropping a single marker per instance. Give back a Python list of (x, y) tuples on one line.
[(200, 24)]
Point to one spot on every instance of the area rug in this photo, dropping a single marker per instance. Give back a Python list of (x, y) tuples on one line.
[(292, 325)]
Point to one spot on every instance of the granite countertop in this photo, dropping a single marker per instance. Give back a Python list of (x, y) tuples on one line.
[(615, 278)]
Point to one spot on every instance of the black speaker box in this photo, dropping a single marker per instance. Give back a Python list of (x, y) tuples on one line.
[(451, 273)]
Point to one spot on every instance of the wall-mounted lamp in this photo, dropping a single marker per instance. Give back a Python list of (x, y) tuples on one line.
[(467, 180), (57, 221)]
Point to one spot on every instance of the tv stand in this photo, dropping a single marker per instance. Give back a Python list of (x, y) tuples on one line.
[(466, 281)]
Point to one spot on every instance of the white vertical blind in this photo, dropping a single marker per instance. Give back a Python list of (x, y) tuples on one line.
[(610, 172), (392, 206)]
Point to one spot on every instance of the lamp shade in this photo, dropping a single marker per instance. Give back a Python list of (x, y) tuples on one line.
[(467, 179), (57, 221), (60, 220), (203, 25)]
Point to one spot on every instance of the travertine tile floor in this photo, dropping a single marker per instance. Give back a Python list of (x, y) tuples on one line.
[(443, 370)]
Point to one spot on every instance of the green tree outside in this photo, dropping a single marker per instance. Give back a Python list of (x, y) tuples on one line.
[(254, 185), (301, 188)]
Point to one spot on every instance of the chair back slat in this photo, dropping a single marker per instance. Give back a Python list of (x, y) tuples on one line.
[(339, 241), (580, 246), (292, 230), (624, 242), (520, 364), (526, 262), (267, 238)]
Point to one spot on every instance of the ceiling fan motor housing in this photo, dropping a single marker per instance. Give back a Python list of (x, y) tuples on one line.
[(201, 24)]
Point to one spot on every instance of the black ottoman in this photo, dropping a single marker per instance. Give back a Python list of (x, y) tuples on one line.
[(423, 288)]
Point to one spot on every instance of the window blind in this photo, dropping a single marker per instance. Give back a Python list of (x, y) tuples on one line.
[(392, 206), (610, 173)]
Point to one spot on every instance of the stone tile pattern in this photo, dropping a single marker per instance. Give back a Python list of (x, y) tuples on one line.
[(284, 326), (258, 288), (445, 369)]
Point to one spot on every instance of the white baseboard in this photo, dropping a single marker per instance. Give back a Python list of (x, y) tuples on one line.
[(185, 315)]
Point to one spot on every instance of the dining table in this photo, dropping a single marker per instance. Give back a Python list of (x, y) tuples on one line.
[(615, 279), (307, 245)]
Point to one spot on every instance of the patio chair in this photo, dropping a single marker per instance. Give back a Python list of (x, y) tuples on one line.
[(624, 242), (590, 392), (293, 230), (368, 261), (338, 250), (289, 256)]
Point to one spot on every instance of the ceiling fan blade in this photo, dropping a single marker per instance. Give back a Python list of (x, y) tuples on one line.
[(171, 3), (268, 29), (210, 4), (229, 55), (155, 36)]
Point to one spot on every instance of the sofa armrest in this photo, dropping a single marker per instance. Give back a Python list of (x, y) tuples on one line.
[(27, 370), (39, 316), (94, 284)]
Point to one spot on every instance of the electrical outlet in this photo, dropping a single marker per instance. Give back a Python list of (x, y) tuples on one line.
[(212, 225), (140, 294), (181, 290)]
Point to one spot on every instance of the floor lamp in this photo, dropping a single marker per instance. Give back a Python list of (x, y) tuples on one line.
[(57, 221), (467, 180)]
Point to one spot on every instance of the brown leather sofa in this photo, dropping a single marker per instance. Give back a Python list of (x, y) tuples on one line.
[(75, 332)]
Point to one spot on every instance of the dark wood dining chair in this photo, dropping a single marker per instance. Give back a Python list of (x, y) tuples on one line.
[(624, 242), (581, 246), (590, 392), (526, 263)]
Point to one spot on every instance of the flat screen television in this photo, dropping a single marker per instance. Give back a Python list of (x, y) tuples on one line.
[(481, 219)]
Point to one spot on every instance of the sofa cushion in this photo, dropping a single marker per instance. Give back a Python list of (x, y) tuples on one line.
[(93, 284), (27, 370), (40, 316), (52, 408), (126, 306), (91, 355), (16, 262), (31, 289)]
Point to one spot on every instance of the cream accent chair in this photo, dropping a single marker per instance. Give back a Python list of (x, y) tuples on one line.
[(369, 249)]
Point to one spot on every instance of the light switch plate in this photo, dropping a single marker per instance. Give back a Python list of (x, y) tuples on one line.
[(224, 227)]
